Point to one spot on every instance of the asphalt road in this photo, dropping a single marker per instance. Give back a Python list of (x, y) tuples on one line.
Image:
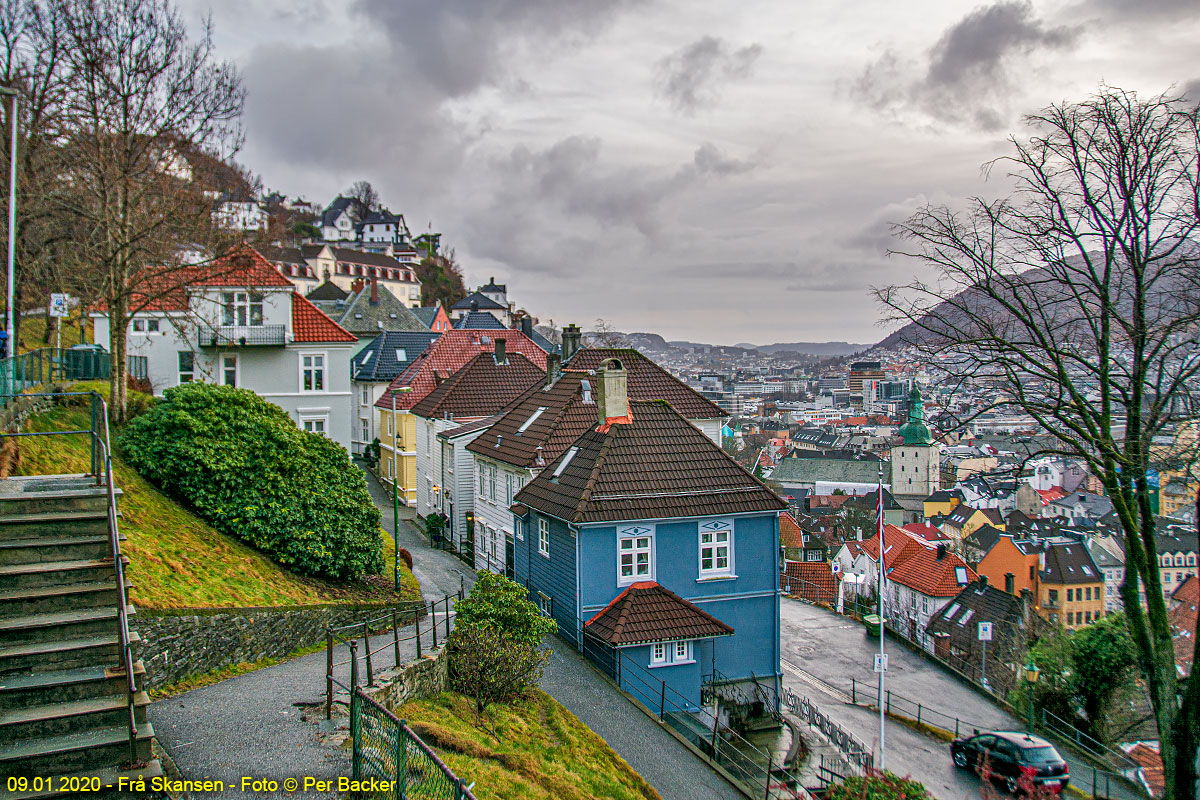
[(824, 652)]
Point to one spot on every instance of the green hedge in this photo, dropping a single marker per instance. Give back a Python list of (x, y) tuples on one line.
[(243, 465)]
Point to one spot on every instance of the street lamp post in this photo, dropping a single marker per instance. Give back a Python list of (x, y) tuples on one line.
[(1031, 676), (12, 223)]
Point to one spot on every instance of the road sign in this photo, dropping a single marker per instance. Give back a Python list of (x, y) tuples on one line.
[(835, 568), (58, 304), (881, 662), (985, 631)]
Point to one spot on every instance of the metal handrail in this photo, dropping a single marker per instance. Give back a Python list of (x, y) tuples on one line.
[(102, 468)]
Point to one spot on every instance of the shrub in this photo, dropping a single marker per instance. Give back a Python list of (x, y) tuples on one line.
[(878, 786), (490, 666), (496, 600), (245, 467)]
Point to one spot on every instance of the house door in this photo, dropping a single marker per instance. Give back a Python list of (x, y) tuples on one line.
[(450, 526), (510, 557)]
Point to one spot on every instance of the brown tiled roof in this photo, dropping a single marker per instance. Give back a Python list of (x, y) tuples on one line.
[(481, 388), (567, 416), (648, 381), (790, 534), (813, 580), (658, 465), (447, 355), (646, 612), (1185, 600)]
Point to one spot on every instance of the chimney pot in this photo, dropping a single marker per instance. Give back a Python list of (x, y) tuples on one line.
[(941, 552), (501, 351), (612, 399), (553, 368), (474, 305), (374, 290), (571, 337), (983, 581), (527, 326)]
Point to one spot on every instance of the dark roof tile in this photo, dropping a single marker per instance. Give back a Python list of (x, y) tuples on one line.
[(646, 612)]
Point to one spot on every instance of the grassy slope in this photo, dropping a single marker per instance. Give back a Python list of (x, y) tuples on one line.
[(543, 752), (33, 331), (176, 559)]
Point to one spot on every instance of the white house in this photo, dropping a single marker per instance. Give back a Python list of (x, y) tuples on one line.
[(241, 215), (337, 221), (238, 322), (383, 226)]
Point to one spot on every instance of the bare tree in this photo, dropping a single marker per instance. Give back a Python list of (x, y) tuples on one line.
[(139, 97), (365, 198), (1079, 297), (605, 334)]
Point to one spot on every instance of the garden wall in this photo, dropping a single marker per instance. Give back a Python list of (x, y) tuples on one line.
[(178, 643)]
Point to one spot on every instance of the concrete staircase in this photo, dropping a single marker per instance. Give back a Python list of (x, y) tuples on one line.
[(64, 698)]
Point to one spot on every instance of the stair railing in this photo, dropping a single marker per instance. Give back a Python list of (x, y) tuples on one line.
[(114, 538)]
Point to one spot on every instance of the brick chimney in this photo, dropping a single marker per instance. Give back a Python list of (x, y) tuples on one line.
[(374, 290), (501, 351), (527, 326), (612, 397), (571, 337), (358, 285), (553, 368)]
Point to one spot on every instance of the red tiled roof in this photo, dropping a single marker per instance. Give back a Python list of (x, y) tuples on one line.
[(310, 324), (481, 388), (925, 531), (646, 612), (812, 579), (1052, 494), (913, 564), (1147, 756), (447, 355), (790, 534), (1183, 615)]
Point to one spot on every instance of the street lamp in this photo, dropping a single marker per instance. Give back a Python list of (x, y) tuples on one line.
[(1031, 676), (12, 222)]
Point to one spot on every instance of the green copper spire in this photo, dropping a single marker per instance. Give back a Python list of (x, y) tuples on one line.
[(915, 431)]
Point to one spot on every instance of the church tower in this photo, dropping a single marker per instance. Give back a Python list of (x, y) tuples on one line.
[(916, 464)]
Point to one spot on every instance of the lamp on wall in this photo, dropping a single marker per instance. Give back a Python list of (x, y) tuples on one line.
[(1031, 676)]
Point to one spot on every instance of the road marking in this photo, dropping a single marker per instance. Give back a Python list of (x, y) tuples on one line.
[(817, 683)]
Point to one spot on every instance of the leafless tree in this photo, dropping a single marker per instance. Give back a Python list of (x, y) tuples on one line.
[(365, 198), (1078, 295), (139, 98), (605, 334)]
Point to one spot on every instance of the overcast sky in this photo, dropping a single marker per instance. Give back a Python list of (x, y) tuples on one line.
[(716, 171)]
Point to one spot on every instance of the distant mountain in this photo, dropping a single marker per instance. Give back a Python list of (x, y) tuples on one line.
[(652, 342)]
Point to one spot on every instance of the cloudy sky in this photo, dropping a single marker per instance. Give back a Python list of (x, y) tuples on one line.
[(717, 171)]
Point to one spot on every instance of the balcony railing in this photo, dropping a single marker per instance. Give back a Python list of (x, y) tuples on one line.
[(243, 336)]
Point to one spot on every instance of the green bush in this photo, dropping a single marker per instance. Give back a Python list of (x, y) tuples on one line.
[(245, 467), (878, 786), (498, 601)]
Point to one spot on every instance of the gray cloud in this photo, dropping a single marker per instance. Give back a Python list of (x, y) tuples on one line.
[(691, 78), (1142, 10), (1191, 91), (967, 76), (460, 46)]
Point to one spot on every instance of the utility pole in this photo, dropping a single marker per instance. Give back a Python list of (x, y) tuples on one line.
[(881, 667), (396, 490), (12, 225)]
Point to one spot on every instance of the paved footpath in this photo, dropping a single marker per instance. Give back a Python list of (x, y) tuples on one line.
[(252, 725)]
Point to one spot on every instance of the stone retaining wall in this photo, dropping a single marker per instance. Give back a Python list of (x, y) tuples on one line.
[(425, 677), (183, 642)]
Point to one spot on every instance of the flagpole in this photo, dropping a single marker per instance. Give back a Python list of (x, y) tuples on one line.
[(882, 619)]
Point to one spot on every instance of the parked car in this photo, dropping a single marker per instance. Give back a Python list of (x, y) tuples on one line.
[(1009, 755)]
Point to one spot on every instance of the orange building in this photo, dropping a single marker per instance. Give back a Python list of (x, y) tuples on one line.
[(1065, 582)]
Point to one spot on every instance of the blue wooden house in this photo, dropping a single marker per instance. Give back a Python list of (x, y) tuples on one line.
[(645, 540)]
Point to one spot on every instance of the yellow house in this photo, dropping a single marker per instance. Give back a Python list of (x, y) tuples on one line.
[(448, 354), (940, 503), (964, 520)]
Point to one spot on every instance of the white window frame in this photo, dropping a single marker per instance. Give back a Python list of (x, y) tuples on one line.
[(364, 428), (635, 534), (237, 370), (543, 537), (671, 653), (519, 530), (366, 395), (709, 540), (323, 370), (482, 480), (238, 309), (492, 482), (191, 374), (658, 654), (321, 418), (545, 604), (508, 487)]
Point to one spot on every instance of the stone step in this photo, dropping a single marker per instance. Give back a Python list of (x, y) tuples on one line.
[(60, 686), (82, 750), (73, 716), (55, 548), (49, 627), (57, 573), (61, 785), (52, 523), (61, 597), (48, 502), (89, 651)]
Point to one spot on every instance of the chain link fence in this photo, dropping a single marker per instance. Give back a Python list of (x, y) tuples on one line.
[(390, 761)]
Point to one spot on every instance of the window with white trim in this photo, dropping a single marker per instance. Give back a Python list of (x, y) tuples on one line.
[(519, 529), (364, 425), (187, 366), (314, 424), (241, 309), (532, 418), (716, 548), (663, 654), (508, 488), (492, 482), (312, 372), (545, 604), (635, 554), (482, 480), (366, 395), (229, 370), (543, 537)]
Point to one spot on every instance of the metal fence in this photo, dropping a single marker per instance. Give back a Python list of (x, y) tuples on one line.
[(857, 754), (393, 761), (50, 364), (385, 630)]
